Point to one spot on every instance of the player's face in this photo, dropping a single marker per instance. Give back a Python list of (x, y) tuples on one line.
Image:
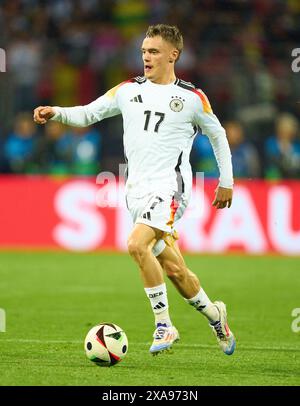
[(158, 57)]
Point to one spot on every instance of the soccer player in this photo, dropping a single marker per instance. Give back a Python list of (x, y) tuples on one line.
[(161, 116)]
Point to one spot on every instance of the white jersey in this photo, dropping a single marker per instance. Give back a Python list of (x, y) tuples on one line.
[(160, 123)]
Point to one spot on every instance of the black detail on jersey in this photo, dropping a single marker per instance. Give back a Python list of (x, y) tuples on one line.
[(162, 116), (137, 99), (139, 79), (147, 215), (196, 129), (179, 179), (156, 201), (176, 105), (126, 172), (178, 97), (148, 115), (184, 84), (126, 201)]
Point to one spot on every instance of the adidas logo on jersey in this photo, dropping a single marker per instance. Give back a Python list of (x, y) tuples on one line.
[(137, 99), (147, 215)]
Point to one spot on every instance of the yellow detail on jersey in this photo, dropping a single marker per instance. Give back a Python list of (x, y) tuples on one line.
[(205, 102), (112, 92)]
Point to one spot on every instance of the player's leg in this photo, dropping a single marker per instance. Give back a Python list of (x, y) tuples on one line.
[(187, 283), (140, 245)]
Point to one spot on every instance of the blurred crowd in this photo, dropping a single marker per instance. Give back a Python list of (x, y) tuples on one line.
[(69, 52)]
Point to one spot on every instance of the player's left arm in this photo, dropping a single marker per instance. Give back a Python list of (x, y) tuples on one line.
[(223, 197), (210, 125)]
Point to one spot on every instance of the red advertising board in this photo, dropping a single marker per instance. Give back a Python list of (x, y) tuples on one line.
[(78, 214)]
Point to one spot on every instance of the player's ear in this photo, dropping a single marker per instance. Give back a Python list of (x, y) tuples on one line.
[(174, 56)]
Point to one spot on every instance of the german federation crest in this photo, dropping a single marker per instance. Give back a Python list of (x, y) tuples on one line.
[(176, 104)]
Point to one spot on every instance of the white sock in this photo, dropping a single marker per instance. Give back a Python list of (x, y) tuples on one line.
[(159, 303), (202, 303)]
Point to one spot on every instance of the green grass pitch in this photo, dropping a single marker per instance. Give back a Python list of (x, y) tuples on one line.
[(52, 299)]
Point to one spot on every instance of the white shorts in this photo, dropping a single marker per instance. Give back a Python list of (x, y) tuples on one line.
[(159, 210)]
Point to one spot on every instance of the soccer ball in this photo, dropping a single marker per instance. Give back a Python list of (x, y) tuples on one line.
[(106, 344)]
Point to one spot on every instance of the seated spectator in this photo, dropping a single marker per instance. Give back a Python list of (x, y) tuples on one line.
[(19, 148), (81, 149), (50, 157), (202, 157), (282, 150), (3, 163), (245, 161)]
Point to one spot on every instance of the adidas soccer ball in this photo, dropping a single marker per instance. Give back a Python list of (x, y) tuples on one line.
[(106, 344)]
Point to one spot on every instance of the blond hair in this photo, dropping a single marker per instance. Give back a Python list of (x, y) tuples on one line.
[(169, 33)]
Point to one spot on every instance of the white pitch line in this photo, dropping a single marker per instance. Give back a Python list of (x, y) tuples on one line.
[(37, 341), (203, 346)]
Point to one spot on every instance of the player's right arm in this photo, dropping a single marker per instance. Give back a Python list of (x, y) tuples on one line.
[(81, 116)]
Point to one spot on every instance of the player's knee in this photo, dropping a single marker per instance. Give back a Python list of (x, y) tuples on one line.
[(133, 247), (136, 249)]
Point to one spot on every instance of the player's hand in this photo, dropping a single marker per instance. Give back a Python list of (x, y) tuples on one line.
[(42, 114), (223, 197)]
